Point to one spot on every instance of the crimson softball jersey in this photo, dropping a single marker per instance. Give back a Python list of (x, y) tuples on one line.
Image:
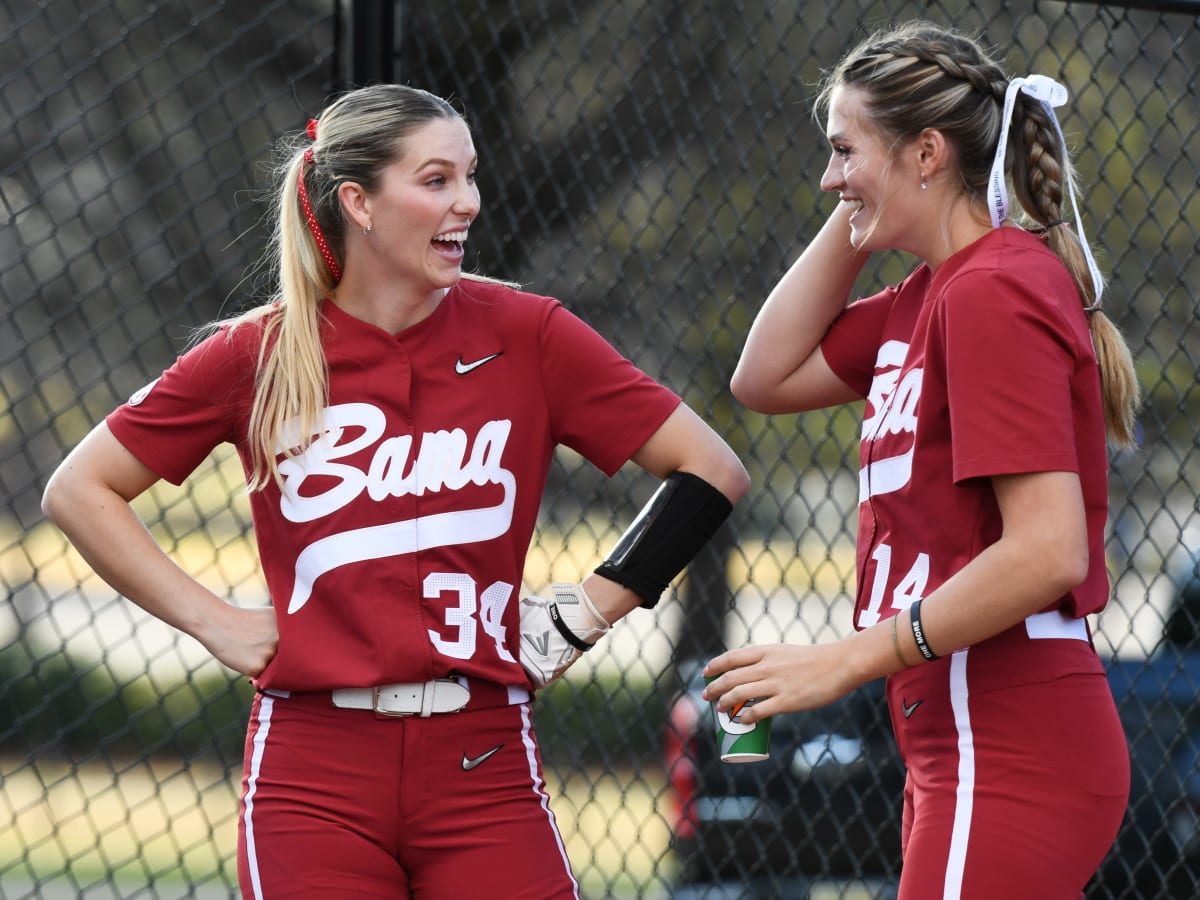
[(395, 551), (962, 384), (1017, 767)]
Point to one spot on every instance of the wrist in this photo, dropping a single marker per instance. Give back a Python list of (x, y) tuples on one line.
[(611, 600), (904, 663)]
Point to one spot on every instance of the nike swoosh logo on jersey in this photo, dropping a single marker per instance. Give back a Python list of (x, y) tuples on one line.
[(463, 368), (909, 709), (470, 762)]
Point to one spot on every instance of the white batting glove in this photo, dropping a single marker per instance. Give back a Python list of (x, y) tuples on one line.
[(556, 632)]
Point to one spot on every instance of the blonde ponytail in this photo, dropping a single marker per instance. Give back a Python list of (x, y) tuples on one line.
[(1118, 380), (1041, 176)]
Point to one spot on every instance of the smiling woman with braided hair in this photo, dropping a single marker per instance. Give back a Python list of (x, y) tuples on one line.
[(990, 377)]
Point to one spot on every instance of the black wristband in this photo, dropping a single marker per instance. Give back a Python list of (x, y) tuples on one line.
[(919, 633), (681, 517)]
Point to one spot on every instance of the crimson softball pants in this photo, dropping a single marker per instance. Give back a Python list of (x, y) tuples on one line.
[(1013, 791), (348, 804)]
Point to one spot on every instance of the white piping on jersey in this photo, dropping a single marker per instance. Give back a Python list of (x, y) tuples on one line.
[(265, 708), (539, 789), (964, 800)]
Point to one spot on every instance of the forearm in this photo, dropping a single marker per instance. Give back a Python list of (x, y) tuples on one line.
[(995, 591), (702, 479), (613, 601), (1041, 555), (89, 497), (797, 313), (116, 544)]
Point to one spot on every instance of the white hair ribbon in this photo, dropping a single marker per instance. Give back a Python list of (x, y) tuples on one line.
[(1051, 94)]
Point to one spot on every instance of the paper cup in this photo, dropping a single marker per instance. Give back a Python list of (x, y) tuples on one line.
[(738, 742)]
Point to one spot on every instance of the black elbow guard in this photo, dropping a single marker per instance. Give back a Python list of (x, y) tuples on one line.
[(681, 517)]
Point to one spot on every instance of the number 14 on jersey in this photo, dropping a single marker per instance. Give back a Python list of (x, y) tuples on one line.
[(909, 590)]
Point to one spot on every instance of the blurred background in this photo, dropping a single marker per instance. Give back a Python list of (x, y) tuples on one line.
[(655, 166)]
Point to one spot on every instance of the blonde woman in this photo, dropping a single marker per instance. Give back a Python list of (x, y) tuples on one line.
[(396, 421)]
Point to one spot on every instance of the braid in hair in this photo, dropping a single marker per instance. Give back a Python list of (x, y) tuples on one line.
[(920, 76), (1041, 172)]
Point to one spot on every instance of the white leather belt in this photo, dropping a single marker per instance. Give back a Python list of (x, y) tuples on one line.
[(442, 695)]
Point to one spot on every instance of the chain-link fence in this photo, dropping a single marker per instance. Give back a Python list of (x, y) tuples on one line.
[(655, 166)]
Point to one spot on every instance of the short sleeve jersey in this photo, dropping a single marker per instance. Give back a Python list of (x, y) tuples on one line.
[(985, 367), (396, 548)]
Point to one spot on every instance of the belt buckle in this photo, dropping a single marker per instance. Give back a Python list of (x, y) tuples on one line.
[(395, 713)]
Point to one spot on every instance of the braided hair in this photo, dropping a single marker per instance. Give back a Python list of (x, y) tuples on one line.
[(919, 76)]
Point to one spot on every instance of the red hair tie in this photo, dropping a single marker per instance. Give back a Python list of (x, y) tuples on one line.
[(310, 217)]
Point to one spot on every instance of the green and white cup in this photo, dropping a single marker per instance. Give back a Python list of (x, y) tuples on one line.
[(739, 742)]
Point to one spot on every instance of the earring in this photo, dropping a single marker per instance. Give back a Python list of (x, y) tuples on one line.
[(923, 184), (367, 230)]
